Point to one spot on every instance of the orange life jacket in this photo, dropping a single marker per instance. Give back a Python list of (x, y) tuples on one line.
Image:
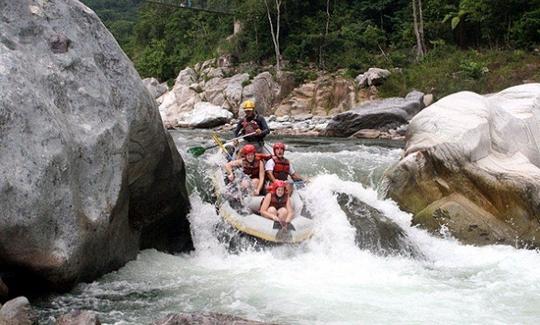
[(282, 168)]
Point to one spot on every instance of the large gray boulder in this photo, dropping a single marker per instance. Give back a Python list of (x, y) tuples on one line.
[(472, 166), (88, 173), (385, 113)]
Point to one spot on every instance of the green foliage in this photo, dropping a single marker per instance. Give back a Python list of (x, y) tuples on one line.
[(162, 40), (473, 70), (450, 70)]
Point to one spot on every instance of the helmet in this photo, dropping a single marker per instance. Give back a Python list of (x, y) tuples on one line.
[(248, 105), (275, 185), (278, 145), (248, 148)]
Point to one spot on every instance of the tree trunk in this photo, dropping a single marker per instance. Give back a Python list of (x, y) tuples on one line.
[(275, 34), (421, 27), (323, 43), (420, 47)]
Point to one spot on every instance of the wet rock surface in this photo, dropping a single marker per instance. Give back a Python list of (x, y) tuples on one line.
[(374, 231), (89, 174)]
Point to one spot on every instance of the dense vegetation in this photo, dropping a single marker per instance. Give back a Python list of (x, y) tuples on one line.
[(467, 41), (120, 17)]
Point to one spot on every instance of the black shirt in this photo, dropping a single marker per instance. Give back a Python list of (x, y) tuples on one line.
[(261, 122)]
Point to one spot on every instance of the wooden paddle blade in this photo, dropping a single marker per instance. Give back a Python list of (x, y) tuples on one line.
[(196, 151)]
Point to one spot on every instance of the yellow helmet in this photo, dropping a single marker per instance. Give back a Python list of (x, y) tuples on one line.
[(248, 105)]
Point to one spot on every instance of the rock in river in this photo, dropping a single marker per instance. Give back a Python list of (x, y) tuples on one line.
[(88, 173), (384, 113), (472, 165), (374, 231)]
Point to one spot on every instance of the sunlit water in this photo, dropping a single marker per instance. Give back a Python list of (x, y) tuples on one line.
[(327, 280)]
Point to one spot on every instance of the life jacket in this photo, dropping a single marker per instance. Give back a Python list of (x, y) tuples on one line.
[(279, 202), (251, 168), (282, 168), (250, 126)]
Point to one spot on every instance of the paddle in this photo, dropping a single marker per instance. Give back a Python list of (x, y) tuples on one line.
[(198, 151)]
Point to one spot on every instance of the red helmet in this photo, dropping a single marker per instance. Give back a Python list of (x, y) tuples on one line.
[(278, 145), (276, 184), (248, 148)]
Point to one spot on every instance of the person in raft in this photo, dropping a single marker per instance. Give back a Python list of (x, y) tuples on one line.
[(252, 123), (277, 205), (251, 166), (279, 168)]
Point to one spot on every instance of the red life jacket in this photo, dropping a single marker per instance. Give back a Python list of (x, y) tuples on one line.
[(251, 168), (279, 202), (249, 126), (282, 168)]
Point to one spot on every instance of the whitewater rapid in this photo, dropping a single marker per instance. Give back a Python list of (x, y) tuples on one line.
[(328, 279)]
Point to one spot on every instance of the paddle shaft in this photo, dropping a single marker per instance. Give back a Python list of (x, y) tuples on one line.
[(237, 138)]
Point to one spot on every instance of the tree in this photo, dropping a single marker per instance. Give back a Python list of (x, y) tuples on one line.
[(275, 34), (418, 25), (323, 43)]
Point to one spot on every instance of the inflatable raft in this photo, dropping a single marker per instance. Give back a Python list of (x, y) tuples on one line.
[(241, 212)]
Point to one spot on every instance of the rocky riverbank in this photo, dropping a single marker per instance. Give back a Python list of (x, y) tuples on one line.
[(209, 96)]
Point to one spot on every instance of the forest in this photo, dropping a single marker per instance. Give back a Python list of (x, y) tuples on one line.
[(443, 44)]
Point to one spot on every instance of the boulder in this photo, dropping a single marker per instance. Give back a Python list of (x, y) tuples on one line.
[(18, 312), (472, 165), (89, 174), (379, 114), (325, 96), (186, 77), (154, 87), (374, 231), (79, 317), (372, 77), (205, 319), (264, 90), (206, 115), (176, 103), (225, 92)]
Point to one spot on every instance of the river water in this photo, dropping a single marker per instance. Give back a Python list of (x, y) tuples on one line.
[(326, 280)]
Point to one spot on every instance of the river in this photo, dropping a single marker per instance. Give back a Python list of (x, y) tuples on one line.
[(326, 280)]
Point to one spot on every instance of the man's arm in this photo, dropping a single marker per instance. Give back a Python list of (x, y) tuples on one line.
[(269, 168), (261, 177), (229, 167), (264, 126)]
